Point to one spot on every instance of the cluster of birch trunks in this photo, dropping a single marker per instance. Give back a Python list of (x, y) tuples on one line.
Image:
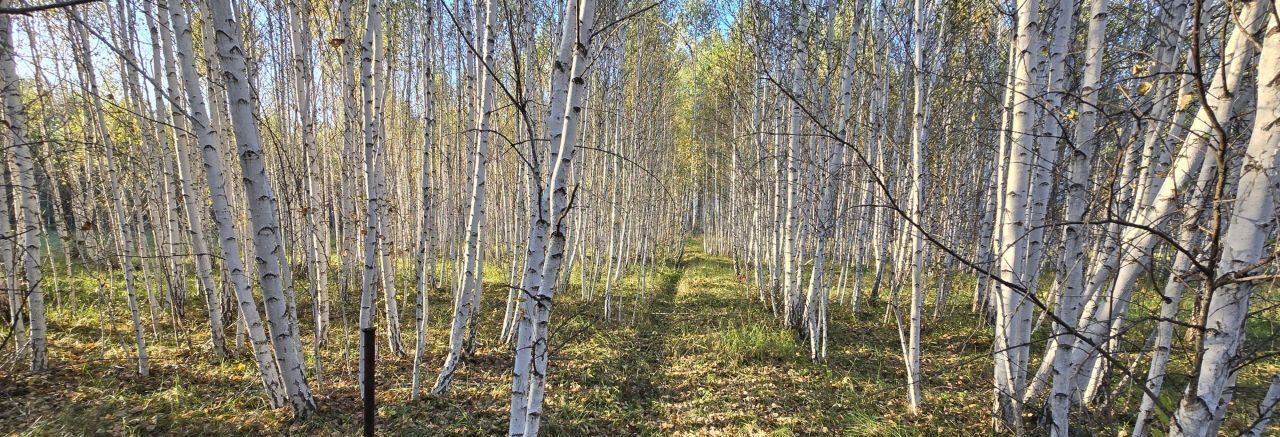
[(1093, 167), (312, 161)]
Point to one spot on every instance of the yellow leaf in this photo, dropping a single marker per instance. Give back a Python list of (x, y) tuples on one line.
[(1144, 88), (1186, 100)]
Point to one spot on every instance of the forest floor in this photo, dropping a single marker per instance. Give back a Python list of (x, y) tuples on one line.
[(695, 355)]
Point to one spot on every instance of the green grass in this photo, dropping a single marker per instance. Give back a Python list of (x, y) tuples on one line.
[(757, 343)]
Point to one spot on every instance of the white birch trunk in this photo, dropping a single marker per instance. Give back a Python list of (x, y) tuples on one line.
[(7, 246), (1013, 318), (191, 199), (316, 253), (1243, 245), (207, 135), (1071, 267), (122, 232), (795, 145), (916, 207), (1171, 297), (470, 281), (426, 220), (540, 221), (578, 26), (268, 253), (29, 217), (371, 273)]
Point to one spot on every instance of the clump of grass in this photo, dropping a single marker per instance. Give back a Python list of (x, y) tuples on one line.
[(755, 342)]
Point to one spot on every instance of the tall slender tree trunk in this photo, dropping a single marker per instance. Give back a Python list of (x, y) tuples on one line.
[(7, 248), (540, 221), (470, 281), (29, 218), (316, 253), (919, 132), (795, 145), (578, 26), (1071, 267), (209, 141), (1243, 246), (191, 199), (268, 250), (1013, 315), (426, 221)]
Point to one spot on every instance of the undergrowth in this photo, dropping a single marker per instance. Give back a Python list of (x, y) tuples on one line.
[(696, 354)]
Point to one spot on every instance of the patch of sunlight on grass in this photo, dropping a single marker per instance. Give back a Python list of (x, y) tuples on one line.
[(757, 342), (864, 424)]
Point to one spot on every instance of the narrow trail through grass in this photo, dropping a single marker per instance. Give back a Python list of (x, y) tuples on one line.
[(726, 366)]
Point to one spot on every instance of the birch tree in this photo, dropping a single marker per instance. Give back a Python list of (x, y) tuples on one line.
[(268, 252), (1071, 267), (426, 219), (1013, 312), (578, 26), (29, 217), (469, 280), (1252, 218)]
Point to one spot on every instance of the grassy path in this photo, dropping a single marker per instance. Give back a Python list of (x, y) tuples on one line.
[(727, 367)]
